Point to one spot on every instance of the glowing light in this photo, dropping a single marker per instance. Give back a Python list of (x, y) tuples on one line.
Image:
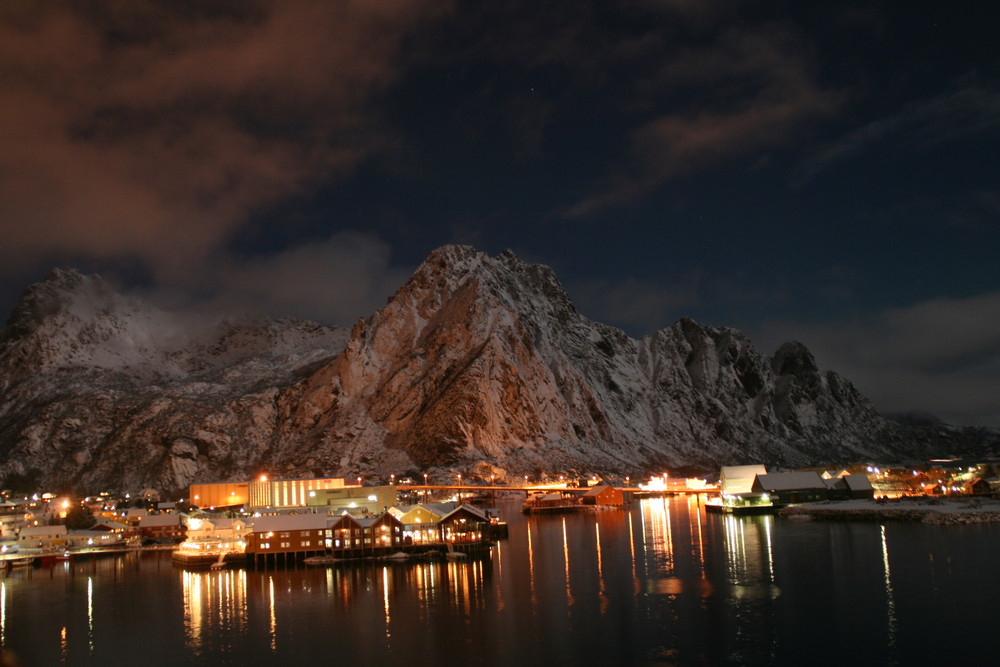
[(263, 478)]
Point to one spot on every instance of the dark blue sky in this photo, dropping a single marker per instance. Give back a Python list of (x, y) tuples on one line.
[(823, 171)]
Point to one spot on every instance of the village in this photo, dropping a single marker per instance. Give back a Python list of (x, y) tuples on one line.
[(276, 523)]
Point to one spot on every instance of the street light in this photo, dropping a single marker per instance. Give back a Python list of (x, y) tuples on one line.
[(425, 479), (359, 480), (392, 479)]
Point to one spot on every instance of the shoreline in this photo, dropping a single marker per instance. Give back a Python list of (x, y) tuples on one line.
[(926, 510)]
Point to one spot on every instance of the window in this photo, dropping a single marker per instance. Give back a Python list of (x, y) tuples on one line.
[(286, 545), (265, 545), (307, 543)]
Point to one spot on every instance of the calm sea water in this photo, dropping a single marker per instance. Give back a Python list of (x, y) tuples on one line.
[(664, 583)]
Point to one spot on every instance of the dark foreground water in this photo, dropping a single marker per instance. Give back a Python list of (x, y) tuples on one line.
[(662, 584)]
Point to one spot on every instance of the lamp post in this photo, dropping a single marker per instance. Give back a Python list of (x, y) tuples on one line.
[(392, 479)]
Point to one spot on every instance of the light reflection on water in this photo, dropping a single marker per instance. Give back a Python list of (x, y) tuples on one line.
[(665, 583)]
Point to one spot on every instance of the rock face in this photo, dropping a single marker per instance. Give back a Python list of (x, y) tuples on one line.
[(98, 391), (476, 363)]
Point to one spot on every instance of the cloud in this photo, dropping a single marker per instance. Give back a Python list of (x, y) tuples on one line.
[(939, 355), (635, 305), (334, 281), (971, 110), (153, 130), (753, 90)]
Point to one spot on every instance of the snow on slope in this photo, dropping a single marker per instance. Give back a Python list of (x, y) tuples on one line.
[(477, 363)]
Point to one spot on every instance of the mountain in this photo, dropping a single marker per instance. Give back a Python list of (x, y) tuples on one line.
[(101, 391), (477, 364)]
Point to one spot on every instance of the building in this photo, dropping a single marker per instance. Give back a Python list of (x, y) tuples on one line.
[(79, 539), (267, 493), (603, 495), (161, 527), (354, 499), (222, 494), (786, 488), (420, 522), (42, 537), (351, 533), (848, 487), (466, 524), (286, 536), (734, 480)]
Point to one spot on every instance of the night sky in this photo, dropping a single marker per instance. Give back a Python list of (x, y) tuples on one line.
[(819, 171)]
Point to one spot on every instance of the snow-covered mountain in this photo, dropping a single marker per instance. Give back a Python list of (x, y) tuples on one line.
[(477, 363)]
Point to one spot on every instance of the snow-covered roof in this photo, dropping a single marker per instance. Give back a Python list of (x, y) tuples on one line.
[(471, 510), (440, 509), (739, 479), (265, 524), (32, 531), (597, 490), (158, 520), (788, 481), (858, 482)]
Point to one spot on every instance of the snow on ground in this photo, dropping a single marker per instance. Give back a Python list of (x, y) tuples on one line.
[(930, 510)]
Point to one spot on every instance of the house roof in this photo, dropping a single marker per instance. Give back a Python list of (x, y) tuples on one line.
[(30, 531), (265, 524), (157, 520), (739, 479), (597, 490), (858, 482), (470, 509), (789, 481)]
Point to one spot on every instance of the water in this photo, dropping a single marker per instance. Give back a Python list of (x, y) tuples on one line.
[(663, 584)]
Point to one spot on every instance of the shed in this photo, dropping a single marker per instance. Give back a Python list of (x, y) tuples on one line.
[(734, 480), (603, 495), (791, 487)]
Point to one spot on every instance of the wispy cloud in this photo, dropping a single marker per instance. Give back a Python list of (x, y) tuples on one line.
[(152, 130), (972, 109), (334, 281), (755, 91), (940, 355)]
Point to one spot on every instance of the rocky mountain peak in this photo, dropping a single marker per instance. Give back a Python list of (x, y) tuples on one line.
[(475, 363), (794, 358), (63, 290)]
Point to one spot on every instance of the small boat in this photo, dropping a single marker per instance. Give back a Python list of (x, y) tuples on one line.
[(20, 561)]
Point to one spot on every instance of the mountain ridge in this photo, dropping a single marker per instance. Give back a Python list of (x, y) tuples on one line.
[(479, 364)]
